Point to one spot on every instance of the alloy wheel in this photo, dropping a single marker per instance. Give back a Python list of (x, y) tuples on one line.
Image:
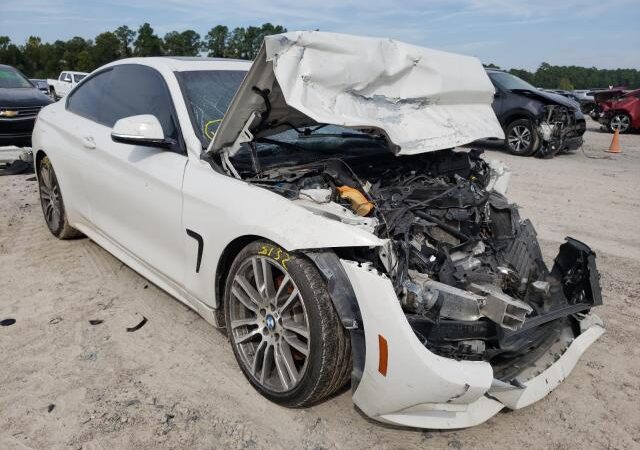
[(269, 324), (50, 196), (620, 122), (519, 138)]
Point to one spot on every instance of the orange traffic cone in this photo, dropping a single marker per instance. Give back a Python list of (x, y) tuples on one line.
[(615, 143)]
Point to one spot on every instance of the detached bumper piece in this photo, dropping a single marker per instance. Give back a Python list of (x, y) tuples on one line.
[(419, 388)]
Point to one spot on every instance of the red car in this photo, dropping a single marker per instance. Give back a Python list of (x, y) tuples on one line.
[(622, 113)]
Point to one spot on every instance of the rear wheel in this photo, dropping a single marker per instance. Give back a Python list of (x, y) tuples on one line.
[(521, 138), (284, 330), (55, 215), (620, 122)]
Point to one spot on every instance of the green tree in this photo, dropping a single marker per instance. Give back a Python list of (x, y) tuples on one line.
[(235, 44), (126, 36), (77, 54), (33, 55), (186, 43), (244, 43), (216, 41), (10, 53), (147, 43), (106, 48), (565, 84)]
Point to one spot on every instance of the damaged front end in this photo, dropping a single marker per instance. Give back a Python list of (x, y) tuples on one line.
[(465, 272), (560, 128), (461, 315)]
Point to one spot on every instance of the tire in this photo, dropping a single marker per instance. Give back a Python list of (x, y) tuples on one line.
[(261, 319), (55, 215), (521, 138), (621, 121)]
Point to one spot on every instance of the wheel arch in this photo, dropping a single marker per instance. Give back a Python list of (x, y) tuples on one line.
[(222, 269), (340, 290), (517, 115), (38, 158)]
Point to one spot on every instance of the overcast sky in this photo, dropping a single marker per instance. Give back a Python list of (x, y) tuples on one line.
[(516, 33)]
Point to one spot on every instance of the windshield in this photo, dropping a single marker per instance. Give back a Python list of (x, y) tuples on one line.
[(207, 94), (508, 82), (78, 78), (11, 79)]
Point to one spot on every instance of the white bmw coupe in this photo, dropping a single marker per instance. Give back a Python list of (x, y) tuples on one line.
[(312, 204)]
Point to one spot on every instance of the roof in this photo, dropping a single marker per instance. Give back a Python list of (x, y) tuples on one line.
[(186, 63)]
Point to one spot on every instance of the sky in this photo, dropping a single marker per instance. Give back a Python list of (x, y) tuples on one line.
[(511, 34)]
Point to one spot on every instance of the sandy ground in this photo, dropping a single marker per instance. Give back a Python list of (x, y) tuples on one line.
[(65, 383)]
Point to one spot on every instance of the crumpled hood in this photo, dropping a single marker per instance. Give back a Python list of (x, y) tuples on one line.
[(422, 100)]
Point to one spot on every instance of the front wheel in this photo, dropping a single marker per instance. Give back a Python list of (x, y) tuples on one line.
[(620, 122), (521, 138), (284, 330)]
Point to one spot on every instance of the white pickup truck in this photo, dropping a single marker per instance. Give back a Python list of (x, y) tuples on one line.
[(65, 82)]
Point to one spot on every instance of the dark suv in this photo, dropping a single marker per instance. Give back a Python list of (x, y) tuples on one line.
[(535, 122), (20, 103)]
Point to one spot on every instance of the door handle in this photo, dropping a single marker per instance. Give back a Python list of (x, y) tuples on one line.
[(88, 142)]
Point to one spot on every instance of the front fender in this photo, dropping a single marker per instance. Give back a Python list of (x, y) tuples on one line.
[(222, 209)]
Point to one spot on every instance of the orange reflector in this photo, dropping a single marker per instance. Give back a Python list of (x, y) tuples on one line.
[(384, 355)]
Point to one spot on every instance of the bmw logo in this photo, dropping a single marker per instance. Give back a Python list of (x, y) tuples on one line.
[(271, 322)]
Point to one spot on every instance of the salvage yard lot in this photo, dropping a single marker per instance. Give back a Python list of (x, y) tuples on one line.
[(174, 383)]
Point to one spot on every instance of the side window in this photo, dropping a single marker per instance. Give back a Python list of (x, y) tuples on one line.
[(86, 99), (134, 90), (67, 77), (62, 75)]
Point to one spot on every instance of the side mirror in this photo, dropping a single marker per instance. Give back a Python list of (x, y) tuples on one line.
[(139, 130)]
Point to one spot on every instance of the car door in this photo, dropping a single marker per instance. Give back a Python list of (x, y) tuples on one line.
[(78, 123), (135, 191)]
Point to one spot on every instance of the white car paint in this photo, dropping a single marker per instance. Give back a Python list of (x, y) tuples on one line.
[(421, 389), (66, 81), (421, 99), (137, 203)]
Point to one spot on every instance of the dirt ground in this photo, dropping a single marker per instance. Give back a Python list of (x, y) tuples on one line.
[(174, 383)]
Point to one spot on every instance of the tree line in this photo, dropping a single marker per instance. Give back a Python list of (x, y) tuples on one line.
[(39, 59), (576, 77)]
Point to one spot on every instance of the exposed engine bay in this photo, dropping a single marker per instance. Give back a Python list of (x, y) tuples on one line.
[(467, 270), (559, 129)]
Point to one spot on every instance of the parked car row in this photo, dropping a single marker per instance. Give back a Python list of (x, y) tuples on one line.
[(20, 103), (21, 100)]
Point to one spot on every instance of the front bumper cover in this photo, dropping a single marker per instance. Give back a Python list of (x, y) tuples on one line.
[(421, 389)]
